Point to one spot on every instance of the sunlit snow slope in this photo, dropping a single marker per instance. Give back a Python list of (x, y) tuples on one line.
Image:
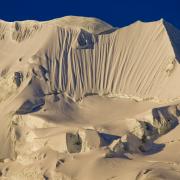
[(78, 56), (77, 90)]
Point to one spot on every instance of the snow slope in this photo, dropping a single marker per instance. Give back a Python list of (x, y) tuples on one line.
[(76, 89)]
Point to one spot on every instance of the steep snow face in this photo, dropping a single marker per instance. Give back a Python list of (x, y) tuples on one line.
[(79, 56), (138, 60)]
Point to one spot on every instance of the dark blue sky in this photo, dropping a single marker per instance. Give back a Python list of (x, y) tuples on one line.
[(116, 12)]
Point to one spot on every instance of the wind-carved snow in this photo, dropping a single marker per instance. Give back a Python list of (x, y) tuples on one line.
[(56, 78), (119, 62)]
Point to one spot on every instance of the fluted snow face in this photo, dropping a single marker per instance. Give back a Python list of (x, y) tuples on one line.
[(81, 56), (137, 60)]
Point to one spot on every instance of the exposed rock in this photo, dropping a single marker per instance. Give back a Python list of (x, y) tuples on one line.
[(84, 40), (73, 142), (116, 148), (18, 78)]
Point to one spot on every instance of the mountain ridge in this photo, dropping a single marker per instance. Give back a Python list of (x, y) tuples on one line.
[(61, 51)]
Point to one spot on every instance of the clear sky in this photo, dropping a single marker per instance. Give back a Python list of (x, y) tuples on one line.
[(116, 12)]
